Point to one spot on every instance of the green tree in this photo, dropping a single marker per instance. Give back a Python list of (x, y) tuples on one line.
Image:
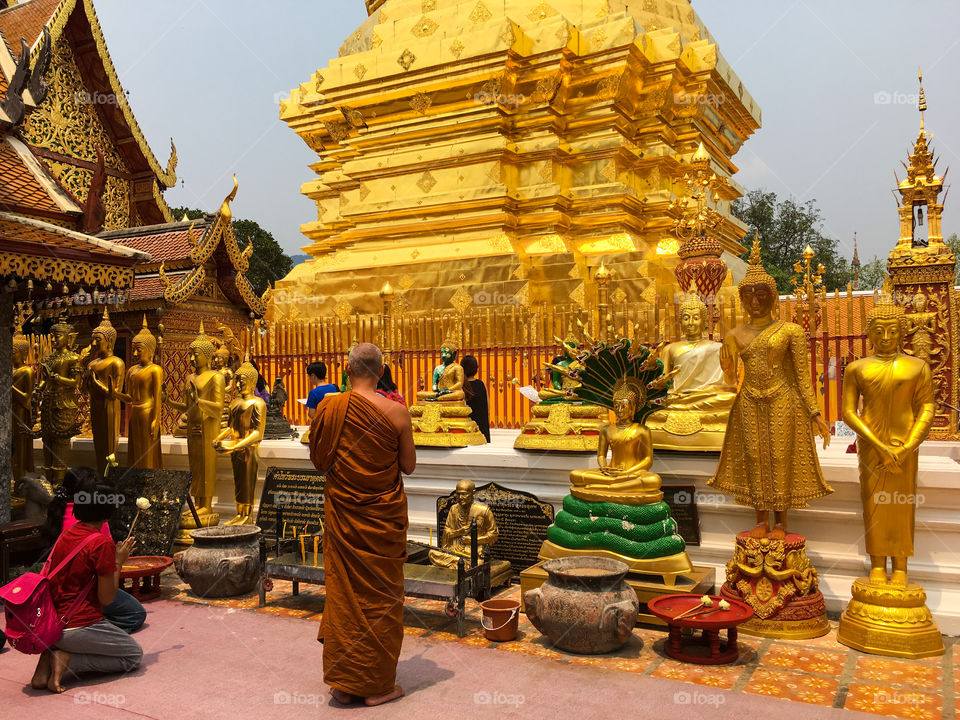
[(268, 263), (872, 274), (786, 227), (953, 242)]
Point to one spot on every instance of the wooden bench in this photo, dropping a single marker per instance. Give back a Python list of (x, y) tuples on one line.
[(419, 581)]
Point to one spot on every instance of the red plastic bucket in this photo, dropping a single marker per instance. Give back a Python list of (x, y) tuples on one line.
[(500, 619)]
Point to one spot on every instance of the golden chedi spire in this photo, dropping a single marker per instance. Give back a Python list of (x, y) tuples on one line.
[(432, 179)]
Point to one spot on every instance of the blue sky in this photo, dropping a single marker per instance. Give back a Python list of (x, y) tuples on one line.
[(836, 82)]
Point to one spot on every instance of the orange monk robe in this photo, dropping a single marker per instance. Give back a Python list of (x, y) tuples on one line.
[(364, 544)]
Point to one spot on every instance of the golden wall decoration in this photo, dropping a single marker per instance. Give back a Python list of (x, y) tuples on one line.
[(66, 271)]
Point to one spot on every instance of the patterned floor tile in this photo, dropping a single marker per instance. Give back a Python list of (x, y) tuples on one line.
[(792, 657), (476, 640), (922, 676), (719, 676), (285, 611), (530, 648), (415, 631), (795, 686), (899, 702)]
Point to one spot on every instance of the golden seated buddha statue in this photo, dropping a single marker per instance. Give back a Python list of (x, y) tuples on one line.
[(441, 416), (694, 414), (561, 421)]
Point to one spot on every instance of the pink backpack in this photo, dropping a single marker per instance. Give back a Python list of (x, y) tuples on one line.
[(32, 623)]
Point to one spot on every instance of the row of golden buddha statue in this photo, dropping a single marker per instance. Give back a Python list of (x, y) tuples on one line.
[(220, 412)]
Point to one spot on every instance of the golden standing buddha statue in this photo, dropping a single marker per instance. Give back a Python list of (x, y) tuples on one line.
[(143, 394), (441, 416), (695, 411), (60, 373), (103, 381), (22, 408), (203, 407), (221, 363), (241, 440), (768, 460), (888, 400)]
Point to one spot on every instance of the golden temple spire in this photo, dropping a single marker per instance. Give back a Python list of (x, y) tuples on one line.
[(755, 257), (922, 104)]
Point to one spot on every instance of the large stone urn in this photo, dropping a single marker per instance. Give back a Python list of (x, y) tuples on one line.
[(223, 560), (585, 606)]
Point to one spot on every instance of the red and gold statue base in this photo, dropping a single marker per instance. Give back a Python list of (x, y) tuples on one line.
[(776, 579)]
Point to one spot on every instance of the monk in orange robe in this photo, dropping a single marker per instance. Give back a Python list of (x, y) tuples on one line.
[(363, 442)]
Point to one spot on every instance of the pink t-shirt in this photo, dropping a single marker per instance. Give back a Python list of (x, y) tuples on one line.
[(69, 520)]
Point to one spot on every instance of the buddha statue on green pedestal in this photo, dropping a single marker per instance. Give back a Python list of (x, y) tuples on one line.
[(441, 416), (617, 510), (694, 413), (561, 420)]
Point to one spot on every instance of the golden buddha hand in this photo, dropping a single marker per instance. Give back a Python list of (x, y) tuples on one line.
[(822, 429)]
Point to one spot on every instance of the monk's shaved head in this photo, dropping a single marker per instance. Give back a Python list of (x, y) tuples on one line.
[(365, 360)]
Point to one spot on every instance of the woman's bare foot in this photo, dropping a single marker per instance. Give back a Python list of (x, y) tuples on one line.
[(397, 692), (58, 664), (42, 674), (344, 698)]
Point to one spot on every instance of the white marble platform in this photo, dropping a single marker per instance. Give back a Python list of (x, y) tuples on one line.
[(833, 525)]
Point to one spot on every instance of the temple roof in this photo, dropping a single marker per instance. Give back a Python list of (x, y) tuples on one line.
[(77, 20), (26, 186), (166, 243)]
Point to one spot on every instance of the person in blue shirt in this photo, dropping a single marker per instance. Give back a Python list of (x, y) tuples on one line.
[(317, 374)]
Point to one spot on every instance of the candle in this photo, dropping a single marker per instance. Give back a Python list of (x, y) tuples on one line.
[(303, 552), (284, 530), (294, 532), (316, 544)]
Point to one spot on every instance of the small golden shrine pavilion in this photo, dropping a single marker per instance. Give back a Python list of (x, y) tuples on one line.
[(511, 147)]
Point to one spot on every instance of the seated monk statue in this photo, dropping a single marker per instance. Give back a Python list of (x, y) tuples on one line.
[(626, 478), (448, 377), (695, 411), (455, 542)]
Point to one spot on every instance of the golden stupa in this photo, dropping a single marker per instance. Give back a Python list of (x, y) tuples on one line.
[(510, 147)]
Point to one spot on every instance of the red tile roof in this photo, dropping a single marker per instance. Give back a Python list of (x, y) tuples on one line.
[(18, 186), (26, 20), (163, 242), (151, 288)]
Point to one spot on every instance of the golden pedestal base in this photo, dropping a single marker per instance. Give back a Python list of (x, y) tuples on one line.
[(698, 581), (620, 498), (777, 580), (687, 431), (669, 568), (565, 427), (440, 424), (890, 620)]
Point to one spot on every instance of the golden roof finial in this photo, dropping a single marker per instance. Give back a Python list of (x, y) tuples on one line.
[(755, 257), (700, 155), (922, 104)]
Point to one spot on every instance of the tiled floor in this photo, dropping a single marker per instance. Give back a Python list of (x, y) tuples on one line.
[(818, 672)]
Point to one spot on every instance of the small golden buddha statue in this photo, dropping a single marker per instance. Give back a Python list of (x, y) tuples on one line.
[(60, 373), (768, 460), (562, 421), (441, 416), (695, 411), (448, 377), (203, 407), (455, 541), (241, 440), (22, 408), (221, 363), (103, 382), (626, 478), (143, 395), (888, 400)]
